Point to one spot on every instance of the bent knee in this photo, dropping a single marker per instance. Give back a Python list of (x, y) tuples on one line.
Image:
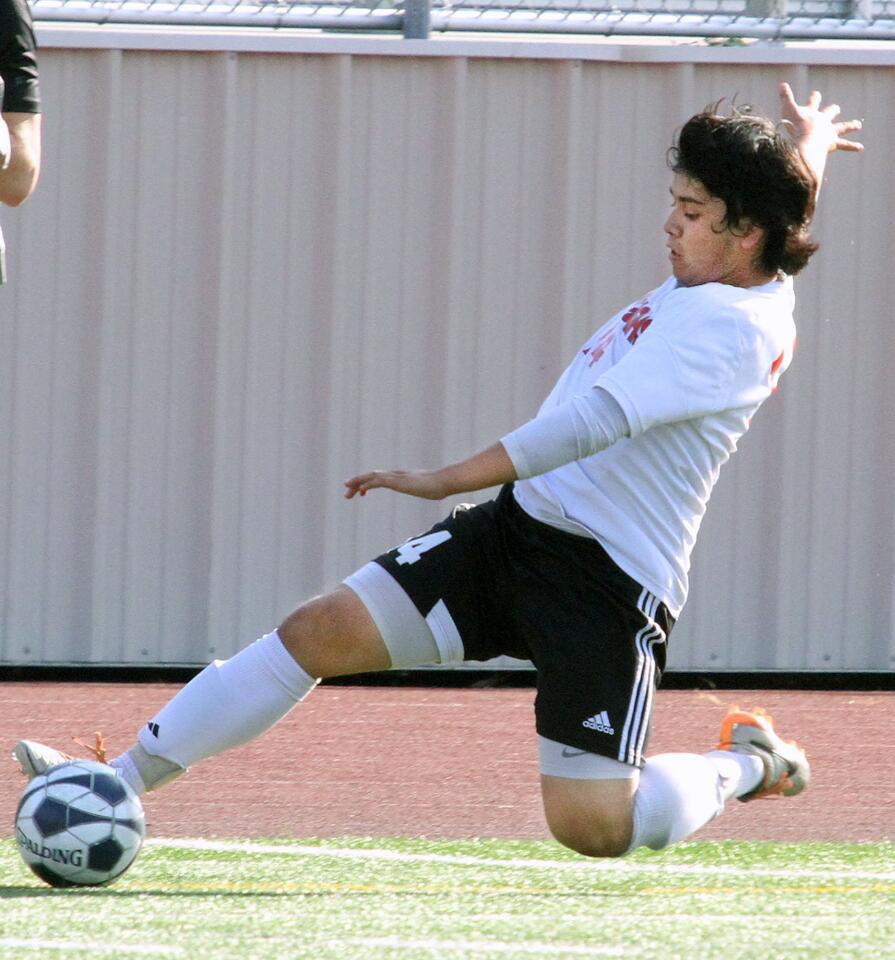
[(592, 817), (334, 635), (593, 838)]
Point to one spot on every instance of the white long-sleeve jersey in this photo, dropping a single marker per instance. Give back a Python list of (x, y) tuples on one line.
[(689, 367)]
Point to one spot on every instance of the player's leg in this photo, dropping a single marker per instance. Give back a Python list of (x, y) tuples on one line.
[(334, 635), (681, 792), (588, 799), (393, 612), (368, 624), (598, 640), (599, 662), (673, 796), (232, 701)]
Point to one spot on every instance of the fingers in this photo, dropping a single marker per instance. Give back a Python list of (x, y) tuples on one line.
[(849, 146), (789, 101), (787, 97), (352, 488), (362, 483), (844, 127), (792, 110), (415, 483)]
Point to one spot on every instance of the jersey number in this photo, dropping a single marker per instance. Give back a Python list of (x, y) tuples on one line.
[(411, 551)]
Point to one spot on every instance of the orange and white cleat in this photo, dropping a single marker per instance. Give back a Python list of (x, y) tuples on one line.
[(36, 758), (787, 771)]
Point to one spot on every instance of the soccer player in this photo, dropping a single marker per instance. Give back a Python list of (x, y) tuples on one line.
[(581, 561), (20, 141)]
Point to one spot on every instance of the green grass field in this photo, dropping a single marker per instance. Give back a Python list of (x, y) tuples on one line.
[(481, 899)]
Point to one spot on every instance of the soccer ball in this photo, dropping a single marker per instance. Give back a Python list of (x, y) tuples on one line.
[(79, 825)]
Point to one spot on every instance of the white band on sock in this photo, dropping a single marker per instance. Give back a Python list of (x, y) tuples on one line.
[(229, 703), (128, 771), (145, 771)]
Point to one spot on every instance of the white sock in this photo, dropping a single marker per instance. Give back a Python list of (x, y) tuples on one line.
[(144, 772), (678, 794), (127, 770), (741, 773), (229, 703)]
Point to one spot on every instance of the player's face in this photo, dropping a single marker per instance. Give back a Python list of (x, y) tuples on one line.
[(701, 247)]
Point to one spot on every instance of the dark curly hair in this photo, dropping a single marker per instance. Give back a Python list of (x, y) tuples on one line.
[(750, 164)]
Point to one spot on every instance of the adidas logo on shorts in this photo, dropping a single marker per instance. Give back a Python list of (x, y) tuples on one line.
[(599, 722)]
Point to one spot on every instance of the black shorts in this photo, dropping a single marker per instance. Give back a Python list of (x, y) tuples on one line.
[(18, 61), (514, 586)]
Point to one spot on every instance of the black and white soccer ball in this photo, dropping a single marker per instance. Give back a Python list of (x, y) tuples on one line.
[(79, 825)]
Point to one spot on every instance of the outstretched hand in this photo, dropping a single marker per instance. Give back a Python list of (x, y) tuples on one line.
[(816, 132), (427, 484), (487, 468), (812, 123)]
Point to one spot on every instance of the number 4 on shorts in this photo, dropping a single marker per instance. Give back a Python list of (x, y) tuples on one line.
[(413, 549)]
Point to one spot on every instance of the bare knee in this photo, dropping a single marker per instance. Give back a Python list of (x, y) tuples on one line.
[(333, 635), (591, 837), (593, 818)]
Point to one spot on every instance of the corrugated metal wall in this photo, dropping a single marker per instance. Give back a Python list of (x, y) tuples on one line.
[(246, 276)]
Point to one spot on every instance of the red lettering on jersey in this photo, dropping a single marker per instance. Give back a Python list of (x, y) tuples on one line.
[(599, 348), (636, 320), (775, 373)]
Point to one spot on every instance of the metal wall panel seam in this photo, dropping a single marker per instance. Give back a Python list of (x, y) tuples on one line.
[(224, 601)]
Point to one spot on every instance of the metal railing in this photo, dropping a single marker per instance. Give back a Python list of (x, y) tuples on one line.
[(729, 21)]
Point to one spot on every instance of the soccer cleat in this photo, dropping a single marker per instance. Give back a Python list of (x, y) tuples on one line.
[(786, 767), (36, 758)]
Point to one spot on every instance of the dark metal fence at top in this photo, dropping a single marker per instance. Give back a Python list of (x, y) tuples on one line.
[(727, 20)]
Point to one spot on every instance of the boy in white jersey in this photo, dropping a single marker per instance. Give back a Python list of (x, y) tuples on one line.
[(581, 561)]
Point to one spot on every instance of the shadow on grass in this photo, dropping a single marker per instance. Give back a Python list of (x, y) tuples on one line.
[(33, 893)]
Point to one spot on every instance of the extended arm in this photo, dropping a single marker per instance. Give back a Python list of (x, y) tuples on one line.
[(19, 102), (815, 131), (488, 468), (576, 429), (18, 180)]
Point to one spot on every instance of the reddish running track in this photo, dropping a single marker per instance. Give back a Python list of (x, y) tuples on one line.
[(412, 761)]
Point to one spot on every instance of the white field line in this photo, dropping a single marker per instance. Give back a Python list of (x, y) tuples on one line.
[(117, 949), (664, 918), (467, 947), (656, 870), (747, 919)]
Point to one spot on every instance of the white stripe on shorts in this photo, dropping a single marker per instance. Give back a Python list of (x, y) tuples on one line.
[(447, 636), (640, 705)]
